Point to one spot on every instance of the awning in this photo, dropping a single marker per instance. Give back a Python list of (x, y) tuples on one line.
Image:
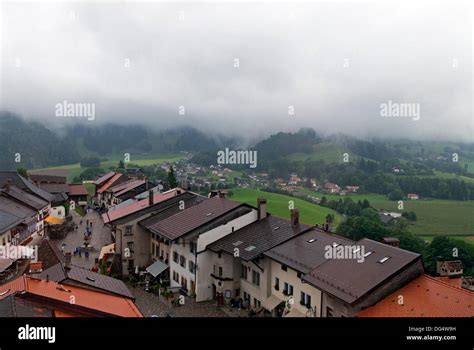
[(157, 268), (53, 220), (271, 302), (108, 249), (294, 313)]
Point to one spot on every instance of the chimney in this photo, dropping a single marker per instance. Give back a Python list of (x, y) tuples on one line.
[(262, 208), (439, 265), (295, 217), (150, 197), (47, 278), (221, 193), (7, 185), (67, 261)]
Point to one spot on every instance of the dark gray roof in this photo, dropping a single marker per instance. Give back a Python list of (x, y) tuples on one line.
[(25, 198), (349, 280), (7, 306), (157, 268), (24, 184), (306, 251), (8, 221), (49, 254), (86, 278), (386, 219), (258, 237), (12, 207), (15, 306)]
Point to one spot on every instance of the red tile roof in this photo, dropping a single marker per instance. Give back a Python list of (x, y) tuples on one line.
[(110, 182), (83, 298), (138, 205), (9, 288), (424, 297), (77, 190)]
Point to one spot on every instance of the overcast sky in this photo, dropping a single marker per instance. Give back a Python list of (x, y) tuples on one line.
[(335, 64)]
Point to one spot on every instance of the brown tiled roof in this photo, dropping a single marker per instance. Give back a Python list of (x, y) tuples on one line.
[(103, 178), (55, 188), (349, 280), (77, 190), (190, 219), (189, 201), (424, 297), (306, 251), (258, 237)]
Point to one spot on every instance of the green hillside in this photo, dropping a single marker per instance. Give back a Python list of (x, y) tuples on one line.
[(435, 216), (278, 205)]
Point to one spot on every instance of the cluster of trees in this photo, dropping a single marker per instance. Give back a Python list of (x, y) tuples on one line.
[(347, 206), (89, 174), (368, 225)]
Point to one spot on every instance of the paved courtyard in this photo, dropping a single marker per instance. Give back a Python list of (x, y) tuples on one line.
[(150, 305), (100, 237)]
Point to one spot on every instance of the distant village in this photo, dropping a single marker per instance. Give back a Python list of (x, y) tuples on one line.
[(124, 245)]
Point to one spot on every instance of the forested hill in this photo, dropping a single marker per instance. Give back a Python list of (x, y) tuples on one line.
[(40, 147)]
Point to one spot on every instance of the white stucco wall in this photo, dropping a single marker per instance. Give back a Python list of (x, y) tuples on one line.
[(290, 276)]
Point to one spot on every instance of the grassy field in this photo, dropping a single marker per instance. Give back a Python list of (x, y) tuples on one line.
[(140, 160), (467, 239), (435, 217), (278, 205)]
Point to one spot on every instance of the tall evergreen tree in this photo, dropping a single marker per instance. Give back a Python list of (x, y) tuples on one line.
[(172, 178)]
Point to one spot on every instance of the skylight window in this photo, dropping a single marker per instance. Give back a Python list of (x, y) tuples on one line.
[(312, 240), (235, 244), (209, 214), (90, 279), (367, 254), (250, 248), (276, 228), (384, 259)]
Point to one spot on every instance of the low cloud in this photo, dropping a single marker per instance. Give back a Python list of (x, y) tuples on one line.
[(247, 69)]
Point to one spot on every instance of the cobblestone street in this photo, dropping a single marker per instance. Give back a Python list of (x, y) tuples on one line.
[(100, 237), (150, 305)]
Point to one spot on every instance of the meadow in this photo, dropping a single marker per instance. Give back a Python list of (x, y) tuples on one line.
[(277, 204)]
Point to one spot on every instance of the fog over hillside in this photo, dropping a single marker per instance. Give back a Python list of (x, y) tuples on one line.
[(244, 69)]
